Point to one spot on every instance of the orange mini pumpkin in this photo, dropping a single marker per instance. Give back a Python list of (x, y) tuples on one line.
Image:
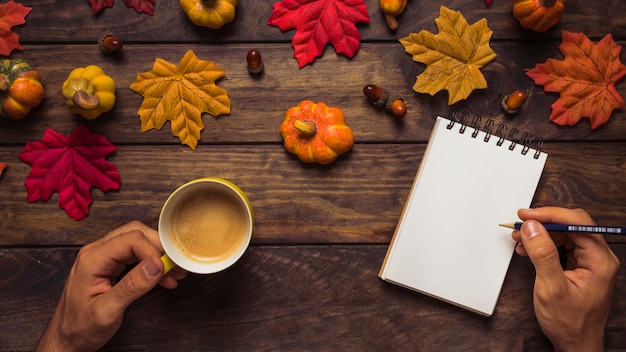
[(316, 133), (20, 88), (538, 15)]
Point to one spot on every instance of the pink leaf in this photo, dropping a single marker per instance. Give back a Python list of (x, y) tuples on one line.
[(69, 166)]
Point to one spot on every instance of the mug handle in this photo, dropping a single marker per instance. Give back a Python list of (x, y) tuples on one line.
[(168, 264)]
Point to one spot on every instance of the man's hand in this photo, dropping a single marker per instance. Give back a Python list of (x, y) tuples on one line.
[(572, 304), (92, 304)]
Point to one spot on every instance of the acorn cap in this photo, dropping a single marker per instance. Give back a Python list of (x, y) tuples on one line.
[(258, 69), (105, 45), (384, 97)]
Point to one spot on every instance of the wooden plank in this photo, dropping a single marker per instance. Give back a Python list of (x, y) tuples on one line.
[(309, 280), (169, 24), (281, 298), (259, 104), (358, 199)]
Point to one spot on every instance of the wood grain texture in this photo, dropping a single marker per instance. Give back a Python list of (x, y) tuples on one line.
[(356, 200), (284, 298), (335, 80), (308, 283), (169, 24)]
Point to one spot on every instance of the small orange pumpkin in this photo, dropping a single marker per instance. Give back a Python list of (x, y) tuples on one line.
[(20, 88), (538, 15), (316, 133)]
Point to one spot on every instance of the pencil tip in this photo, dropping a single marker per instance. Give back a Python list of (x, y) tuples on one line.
[(511, 226)]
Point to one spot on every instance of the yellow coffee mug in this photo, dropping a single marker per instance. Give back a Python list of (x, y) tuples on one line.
[(205, 226)]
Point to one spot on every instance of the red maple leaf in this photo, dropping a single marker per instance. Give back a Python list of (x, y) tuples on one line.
[(98, 5), (319, 22), (146, 6), (11, 14), (585, 79), (2, 166), (69, 166)]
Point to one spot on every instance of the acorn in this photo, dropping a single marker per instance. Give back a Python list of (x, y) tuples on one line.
[(396, 107), (372, 92), (110, 43), (380, 97), (513, 102), (376, 94), (255, 62)]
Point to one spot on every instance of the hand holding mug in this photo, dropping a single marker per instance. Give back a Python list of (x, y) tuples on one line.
[(94, 299)]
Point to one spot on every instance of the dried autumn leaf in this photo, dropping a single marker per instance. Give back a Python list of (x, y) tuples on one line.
[(453, 57), (3, 165), (98, 5), (11, 14), (181, 94), (140, 6), (585, 80), (70, 166), (146, 6), (318, 23)]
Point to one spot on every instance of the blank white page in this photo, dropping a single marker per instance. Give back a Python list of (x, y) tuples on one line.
[(448, 243)]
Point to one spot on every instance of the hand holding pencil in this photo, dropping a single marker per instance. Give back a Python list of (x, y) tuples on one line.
[(572, 304)]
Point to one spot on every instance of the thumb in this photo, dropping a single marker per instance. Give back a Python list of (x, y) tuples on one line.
[(137, 282), (543, 254)]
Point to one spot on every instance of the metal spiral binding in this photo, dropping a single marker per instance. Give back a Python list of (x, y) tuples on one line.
[(476, 125), (501, 132), (488, 130), (513, 138), (526, 140)]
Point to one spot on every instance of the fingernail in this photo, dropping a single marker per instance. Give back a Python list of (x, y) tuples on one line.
[(151, 268), (531, 229)]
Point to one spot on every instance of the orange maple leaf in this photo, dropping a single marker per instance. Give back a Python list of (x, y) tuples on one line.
[(181, 94), (453, 57), (11, 14), (585, 80), (2, 166)]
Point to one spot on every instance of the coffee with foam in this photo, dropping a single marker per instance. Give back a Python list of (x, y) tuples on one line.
[(209, 226), (205, 226)]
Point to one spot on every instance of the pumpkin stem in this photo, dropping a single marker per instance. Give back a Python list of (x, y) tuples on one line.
[(84, 100), (391, 21), (547, 3), (306, 127), (4, 82)]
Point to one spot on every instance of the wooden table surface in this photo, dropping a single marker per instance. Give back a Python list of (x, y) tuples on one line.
[(309, 280)]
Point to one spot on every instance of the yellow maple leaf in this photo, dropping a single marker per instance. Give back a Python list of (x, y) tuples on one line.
[(181, 94), (453, 57)]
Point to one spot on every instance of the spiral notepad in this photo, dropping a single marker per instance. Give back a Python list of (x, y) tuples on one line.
[(447, 243)]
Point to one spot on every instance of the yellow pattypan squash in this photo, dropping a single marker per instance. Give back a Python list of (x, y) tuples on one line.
[(89, 92), (316, 133), (209, 13), (20, 88)]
